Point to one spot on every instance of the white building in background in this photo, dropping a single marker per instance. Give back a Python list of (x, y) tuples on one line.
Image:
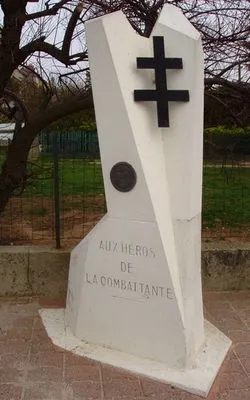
[(6, 133), (26, 73), (6, 136)]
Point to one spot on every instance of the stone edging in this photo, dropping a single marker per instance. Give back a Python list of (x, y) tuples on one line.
[(43, 271)]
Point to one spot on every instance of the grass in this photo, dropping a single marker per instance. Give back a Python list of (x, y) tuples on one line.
[(76, 177), (226, 196)]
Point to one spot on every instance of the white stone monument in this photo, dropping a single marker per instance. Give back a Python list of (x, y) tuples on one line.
[(134, 295)]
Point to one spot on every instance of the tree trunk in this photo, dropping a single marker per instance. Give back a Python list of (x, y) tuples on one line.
[(13, 173)]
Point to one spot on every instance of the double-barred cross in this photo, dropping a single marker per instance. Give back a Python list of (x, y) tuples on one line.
[(161, 94)]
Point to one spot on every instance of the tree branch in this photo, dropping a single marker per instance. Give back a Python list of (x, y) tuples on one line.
[(238, 122), (229, 67), (241, 88), (68, 106), (39, 45), (45, 47), (70, 29), (49, 11)]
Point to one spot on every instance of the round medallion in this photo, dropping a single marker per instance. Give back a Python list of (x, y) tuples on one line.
[(123, 176)]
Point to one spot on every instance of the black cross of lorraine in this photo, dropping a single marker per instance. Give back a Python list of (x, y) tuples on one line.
[(161, 95)]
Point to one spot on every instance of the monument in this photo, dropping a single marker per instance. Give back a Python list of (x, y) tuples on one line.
[(134, 293)]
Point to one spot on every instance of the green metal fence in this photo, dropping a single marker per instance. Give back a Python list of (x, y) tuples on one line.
[(68, 144)]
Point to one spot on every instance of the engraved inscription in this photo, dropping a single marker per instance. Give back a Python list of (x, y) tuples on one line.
[(125, 284), (146, 290), (130, 249)]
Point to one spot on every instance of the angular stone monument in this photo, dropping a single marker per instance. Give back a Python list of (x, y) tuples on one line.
[(134, 294)]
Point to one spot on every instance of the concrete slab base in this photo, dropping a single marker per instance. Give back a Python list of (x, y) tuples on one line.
[(197, 378)]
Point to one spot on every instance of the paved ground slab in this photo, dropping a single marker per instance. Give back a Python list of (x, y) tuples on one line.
[(32, 368)]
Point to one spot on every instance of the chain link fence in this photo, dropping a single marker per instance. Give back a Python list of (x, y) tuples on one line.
[(64, 197)]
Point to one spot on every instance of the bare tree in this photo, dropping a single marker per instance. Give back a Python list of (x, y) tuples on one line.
[(50, 34), (24, 35)]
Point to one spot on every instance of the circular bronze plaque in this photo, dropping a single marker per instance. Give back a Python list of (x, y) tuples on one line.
[(123, 176)]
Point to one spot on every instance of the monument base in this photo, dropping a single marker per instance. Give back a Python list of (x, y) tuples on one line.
[(196, 379)]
